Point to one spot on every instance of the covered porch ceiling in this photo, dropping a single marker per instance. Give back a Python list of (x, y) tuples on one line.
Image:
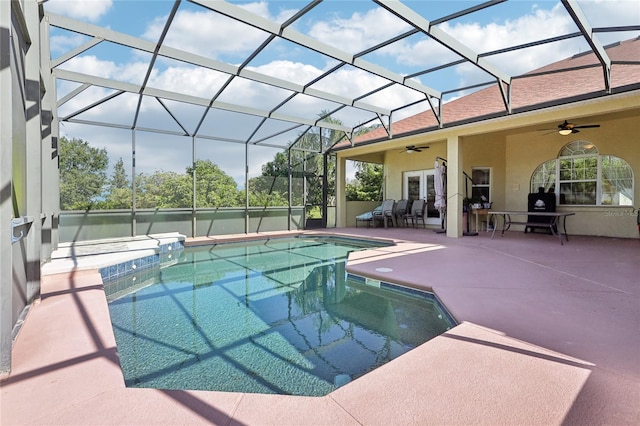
[(340, 83)]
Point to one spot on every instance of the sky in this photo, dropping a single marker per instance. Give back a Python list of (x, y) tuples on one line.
[(351, 26)]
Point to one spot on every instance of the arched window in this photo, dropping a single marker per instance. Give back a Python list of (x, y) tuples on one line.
[(584, 177)]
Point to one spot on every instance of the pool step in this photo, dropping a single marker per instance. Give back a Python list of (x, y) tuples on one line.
[(98, 254)]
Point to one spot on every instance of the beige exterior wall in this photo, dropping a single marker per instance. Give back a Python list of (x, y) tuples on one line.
[(617, 136), (397, 162), (355, 208), (513, 147), (487, 151)]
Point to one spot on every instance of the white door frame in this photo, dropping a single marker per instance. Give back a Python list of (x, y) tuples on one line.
[(426, 190)]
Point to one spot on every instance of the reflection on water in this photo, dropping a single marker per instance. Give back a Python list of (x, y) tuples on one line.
[(278, 316)]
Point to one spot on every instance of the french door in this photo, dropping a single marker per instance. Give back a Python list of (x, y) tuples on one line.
[(421, 184)]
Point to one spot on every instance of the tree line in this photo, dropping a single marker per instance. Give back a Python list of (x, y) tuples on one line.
[(86, 185)]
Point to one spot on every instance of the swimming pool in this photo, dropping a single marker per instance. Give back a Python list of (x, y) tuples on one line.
[(274, 316)]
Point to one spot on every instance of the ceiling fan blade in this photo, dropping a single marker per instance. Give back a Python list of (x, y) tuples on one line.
[(568, 128), (412, 148)]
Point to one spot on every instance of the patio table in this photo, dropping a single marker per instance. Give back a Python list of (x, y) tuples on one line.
[(556, 218)]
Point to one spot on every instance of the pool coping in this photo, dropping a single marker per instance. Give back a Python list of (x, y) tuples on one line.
[(518, 382), (112, 252)]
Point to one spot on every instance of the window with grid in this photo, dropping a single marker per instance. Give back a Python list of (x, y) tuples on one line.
[(583, 177), (481, 187)]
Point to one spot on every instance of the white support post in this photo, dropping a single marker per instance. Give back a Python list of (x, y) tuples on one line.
[(341, 198), (455, 187)]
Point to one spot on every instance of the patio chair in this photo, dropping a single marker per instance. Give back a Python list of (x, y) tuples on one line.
[(368, 216), (386, 213), (416, 214), (401, 211)]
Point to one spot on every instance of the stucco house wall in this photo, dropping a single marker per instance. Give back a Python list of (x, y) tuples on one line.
[(514, 155), (526, 151)]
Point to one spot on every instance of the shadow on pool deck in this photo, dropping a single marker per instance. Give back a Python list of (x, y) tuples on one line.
[(549, 334)]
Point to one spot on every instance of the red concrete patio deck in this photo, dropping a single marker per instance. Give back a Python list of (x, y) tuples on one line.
[(549, 334)]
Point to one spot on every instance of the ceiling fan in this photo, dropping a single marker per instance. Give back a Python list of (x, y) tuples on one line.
[(567, 128), (410, 149)]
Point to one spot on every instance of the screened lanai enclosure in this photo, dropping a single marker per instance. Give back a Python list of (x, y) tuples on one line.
[(212, 117), (194, 156), (222, 188)]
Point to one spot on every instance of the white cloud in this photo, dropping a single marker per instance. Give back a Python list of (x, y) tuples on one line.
[(187, 80), (192, 80), (489, 37), (210, 34), (360, 31), (602, 13), (425, 53), (540, 23), (89, 64), (260, 8), (289, 71), (206, 33), (63, 43), (544, 20), (119, 110), (91, 10)]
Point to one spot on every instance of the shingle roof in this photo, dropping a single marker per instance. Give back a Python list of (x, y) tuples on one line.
[(580, 76)]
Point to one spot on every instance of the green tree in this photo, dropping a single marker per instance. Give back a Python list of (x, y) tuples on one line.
[(83, 174), (119, 178), (214, 188), (320, 140), (271, 188), (307, 168), (119, 193), (163, 190), (265, 199), (367, 184)]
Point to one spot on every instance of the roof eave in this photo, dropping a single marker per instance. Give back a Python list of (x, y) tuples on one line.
[(568, 102)]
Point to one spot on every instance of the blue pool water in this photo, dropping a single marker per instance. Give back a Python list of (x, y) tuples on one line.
[(276, 316)]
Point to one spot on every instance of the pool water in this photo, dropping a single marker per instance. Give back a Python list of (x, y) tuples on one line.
[(276, 316)]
